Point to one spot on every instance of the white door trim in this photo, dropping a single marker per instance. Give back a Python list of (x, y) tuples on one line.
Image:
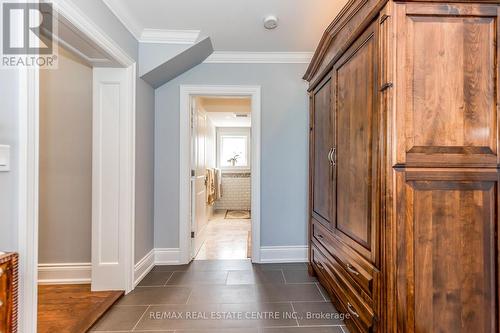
[(113, 178), (28, 199), (28, 165), (186, 91)]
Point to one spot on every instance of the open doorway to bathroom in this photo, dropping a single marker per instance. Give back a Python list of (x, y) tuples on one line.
[(221, 177)]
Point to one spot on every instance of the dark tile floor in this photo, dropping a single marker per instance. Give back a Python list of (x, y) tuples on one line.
[(225, 296)]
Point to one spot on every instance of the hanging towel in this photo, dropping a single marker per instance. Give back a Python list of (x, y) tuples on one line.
[(218, 184), (210, 185)]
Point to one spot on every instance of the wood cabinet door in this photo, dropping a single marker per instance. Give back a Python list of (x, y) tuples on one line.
[(322, 144), (447, 243), (357, 158), (446, 86)]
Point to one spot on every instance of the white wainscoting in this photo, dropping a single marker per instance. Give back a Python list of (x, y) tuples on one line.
[(143, 267), (283, 254), (71, 273), (168, 256)]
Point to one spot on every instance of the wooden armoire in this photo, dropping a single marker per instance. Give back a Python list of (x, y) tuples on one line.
[(404, 165)]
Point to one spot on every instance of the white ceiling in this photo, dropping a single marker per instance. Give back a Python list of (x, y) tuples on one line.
[(226, 119), (235, 25), (222, 111)]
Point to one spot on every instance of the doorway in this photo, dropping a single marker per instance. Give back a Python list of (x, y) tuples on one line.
[(65, 200), (221, 184), (113, 162), (220, 138)]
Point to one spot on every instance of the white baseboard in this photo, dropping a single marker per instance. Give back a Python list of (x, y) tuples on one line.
[(283, 254), (144, 266), (81, 273), (71, 273), (167, 256)]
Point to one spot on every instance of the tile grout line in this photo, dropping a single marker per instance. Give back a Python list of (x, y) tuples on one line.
[(319, 289), (284, 278), (189, 297), (166, 282), (296, 314), (140, 318)]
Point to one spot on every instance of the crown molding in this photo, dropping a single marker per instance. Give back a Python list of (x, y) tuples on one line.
[(125, 17), (224, 57), (169, 36)]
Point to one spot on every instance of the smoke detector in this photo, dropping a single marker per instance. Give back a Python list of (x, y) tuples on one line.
[(271, 22)]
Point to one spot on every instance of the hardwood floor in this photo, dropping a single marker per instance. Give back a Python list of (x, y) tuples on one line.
[(71, 308)]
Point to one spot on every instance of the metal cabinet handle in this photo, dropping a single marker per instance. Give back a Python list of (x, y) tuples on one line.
[(334, 157), (352, 270), (1, 271), (320, 236), (329, 157), (350, 308), (320, 265)]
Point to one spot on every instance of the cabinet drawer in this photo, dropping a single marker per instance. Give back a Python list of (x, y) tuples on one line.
[(355, 266), (346, 298)]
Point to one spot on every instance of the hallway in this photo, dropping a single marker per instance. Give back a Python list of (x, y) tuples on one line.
[(193, 298)]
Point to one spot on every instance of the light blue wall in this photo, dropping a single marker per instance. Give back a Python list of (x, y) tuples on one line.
[(284, 160), (9, 108), (144, 170), (152, 55)]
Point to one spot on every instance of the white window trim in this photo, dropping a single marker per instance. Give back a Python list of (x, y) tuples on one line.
[(236, 131)]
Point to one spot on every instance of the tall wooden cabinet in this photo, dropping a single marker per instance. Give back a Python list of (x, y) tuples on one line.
[(404, 165)]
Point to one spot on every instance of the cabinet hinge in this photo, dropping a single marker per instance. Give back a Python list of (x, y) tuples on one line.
[(193, 173), (192, 234)]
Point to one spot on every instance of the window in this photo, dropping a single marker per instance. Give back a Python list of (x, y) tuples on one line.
[(233, 148)]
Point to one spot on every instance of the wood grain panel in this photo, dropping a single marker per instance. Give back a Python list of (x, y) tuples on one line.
[(449, 71), (72, 308), (446, 266), (361, 317), (361, 271), (357, 136), (322, 142), (8, 292)]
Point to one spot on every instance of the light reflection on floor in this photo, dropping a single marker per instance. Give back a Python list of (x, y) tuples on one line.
[(225, 238)]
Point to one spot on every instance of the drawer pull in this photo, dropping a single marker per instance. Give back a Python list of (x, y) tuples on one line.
[(320, 265), (350, 308), (320, 236), (1, 271), (352, 270), (1, 304)]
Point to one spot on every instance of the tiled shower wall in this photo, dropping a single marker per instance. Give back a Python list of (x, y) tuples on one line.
[(236, 192)]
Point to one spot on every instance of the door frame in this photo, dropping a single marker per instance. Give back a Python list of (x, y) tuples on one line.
[(28, 159), (186, 93)]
